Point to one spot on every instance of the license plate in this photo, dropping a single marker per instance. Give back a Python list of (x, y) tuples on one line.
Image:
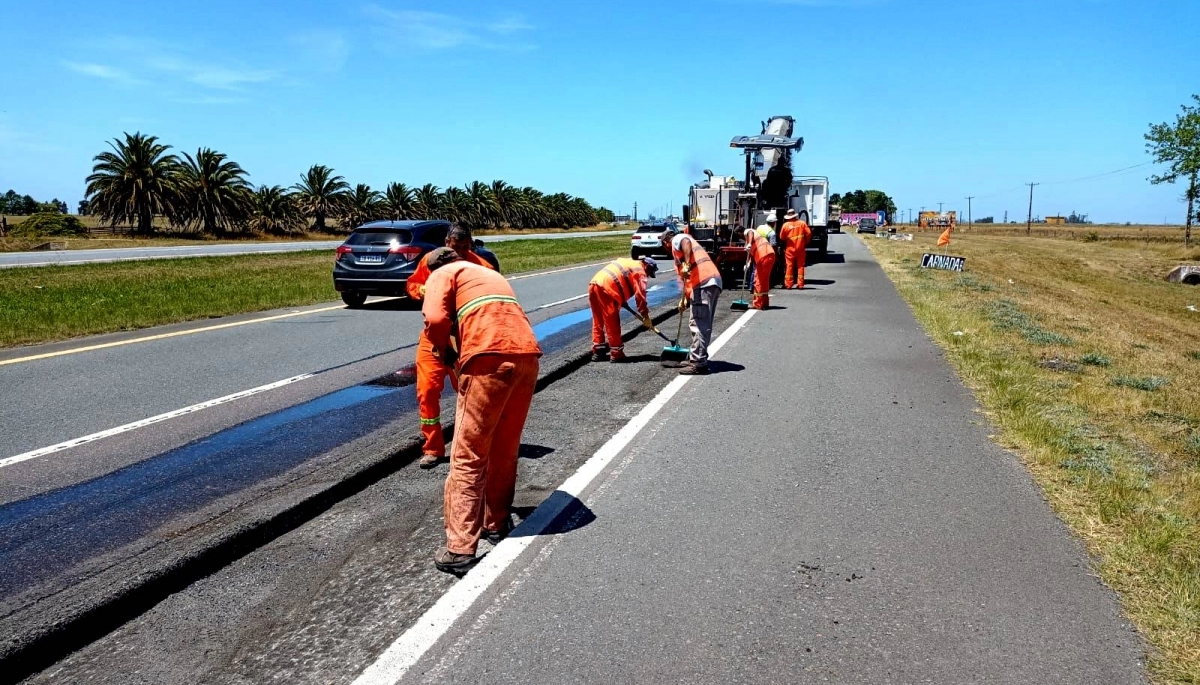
[(371, 259)]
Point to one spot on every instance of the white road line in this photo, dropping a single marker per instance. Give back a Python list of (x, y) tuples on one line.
[(434, 623), (146, 422), (557, 271), (555, 304)]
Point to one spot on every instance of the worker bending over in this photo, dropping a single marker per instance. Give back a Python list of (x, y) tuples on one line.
[(760, 253), (794, 236), (431, 370), (474, 321), (701, 287), (609, 290)]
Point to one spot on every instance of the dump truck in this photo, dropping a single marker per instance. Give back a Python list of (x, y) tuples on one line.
[(722, 207)]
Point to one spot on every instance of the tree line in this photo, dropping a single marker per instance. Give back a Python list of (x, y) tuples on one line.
[(139, 178), (860, 201), (20, 205)]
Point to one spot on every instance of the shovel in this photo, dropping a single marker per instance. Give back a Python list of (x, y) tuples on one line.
[(673, 352), (652, 329), (741, 305)]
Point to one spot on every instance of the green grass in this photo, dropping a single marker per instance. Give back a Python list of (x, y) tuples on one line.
[(1146, 383), (1120, 466), (59, 302)]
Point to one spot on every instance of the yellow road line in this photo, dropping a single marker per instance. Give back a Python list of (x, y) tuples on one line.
[(163, 336)]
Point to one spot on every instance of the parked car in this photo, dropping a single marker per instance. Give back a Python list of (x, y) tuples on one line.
[(866, 225), (647, 240), (379, 257)]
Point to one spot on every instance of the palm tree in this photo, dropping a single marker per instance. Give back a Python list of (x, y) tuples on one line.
[(508, 202), (135, 181), (401, 201), (429, 201), (274, 210), (483, 209), (361, 205), (533, 208), (321, 193), (213, 191), (455, 205)]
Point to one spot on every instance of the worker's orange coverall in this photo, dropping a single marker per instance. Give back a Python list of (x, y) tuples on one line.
[(431, 372), (497, 371), (610, 288), (794, 236), (763, 254)]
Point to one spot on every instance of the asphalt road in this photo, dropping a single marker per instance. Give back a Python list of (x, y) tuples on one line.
[(63, 257), (825, 508)]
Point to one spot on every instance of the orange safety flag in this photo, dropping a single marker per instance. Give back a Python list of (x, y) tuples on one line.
[(944, 238)]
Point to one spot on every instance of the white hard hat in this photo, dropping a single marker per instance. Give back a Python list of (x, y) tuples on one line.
[(791, 214), (771, 218)]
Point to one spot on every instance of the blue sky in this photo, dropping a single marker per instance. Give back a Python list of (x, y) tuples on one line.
[(615, 101)]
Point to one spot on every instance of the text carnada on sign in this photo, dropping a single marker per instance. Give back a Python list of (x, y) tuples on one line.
[(943, 261)]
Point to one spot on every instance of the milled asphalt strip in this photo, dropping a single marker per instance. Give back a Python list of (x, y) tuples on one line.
[(76, 442), (434, 623), (34, 454)]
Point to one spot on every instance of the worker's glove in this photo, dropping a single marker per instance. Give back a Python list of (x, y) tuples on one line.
[(422, 291), (685, 271), (647, 321), (683, 303)]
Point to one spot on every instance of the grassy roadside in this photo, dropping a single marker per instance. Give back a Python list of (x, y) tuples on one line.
[(1088, 363), (58, 302), (169, 236)]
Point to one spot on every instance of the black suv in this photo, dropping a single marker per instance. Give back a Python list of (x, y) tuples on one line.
[(379, 257)]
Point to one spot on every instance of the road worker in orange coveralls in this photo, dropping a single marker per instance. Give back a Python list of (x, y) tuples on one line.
[(474, 322), (701, 288), (431, 372), (794, 236), (760, 251), (609, 290)]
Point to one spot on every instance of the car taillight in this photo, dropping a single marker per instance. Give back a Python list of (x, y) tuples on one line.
[(342, 249), (409, 252), (637, 237)]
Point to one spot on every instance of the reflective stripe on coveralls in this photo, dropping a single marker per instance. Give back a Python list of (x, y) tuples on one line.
[(701, 267), (498, 372), (795, 237), (611, 287), (764, 262), (431, 371)]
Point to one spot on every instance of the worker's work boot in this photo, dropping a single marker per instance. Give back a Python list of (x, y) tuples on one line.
[(618, 357), (448, 561), (600, 354), (691, 369), (495, 536), (429, 461)]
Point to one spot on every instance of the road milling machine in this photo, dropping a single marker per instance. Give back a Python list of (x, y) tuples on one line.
[(720, 209)]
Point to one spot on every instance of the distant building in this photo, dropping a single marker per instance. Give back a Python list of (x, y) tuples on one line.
[(1056, 220)]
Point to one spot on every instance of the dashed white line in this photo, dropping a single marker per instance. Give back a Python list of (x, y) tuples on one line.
[(34, 454), (434, 623)]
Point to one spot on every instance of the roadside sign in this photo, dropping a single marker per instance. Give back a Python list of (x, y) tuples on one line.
[(943, 261)]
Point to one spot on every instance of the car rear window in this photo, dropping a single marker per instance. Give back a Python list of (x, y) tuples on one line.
[(379, 237), (652, 229)]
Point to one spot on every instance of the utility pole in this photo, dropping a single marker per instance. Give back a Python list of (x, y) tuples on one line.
[(1029, 218), (1006, 216), (969, 198)]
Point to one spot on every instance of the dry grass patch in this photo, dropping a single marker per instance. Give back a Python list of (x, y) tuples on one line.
[(1085, 359)]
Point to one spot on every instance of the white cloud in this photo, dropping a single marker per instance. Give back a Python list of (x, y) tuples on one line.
[(432, 31), (103, 71)]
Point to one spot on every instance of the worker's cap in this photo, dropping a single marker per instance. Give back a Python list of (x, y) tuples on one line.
[(650, 265), (791, 214), (771, 218), (441, 257)]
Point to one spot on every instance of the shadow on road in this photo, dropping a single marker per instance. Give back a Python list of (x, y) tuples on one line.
[(533, 451), (831, 258), (819, 281), (718, 366), (574, 515)]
